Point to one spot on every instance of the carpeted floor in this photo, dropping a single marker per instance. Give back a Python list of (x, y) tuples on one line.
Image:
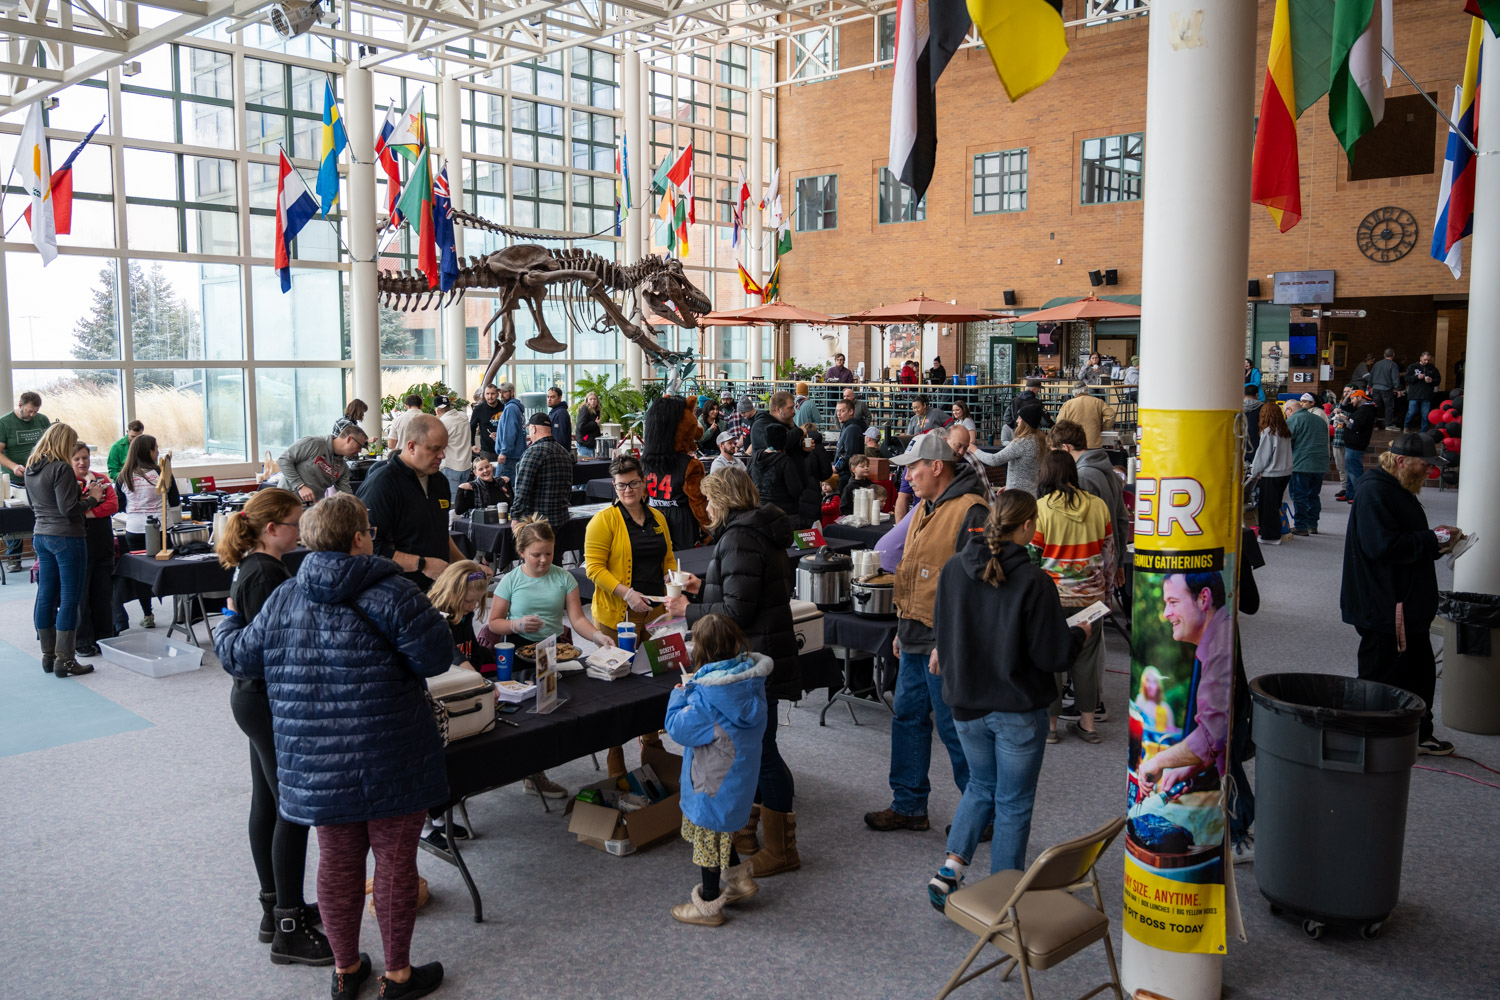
[(127, 875)]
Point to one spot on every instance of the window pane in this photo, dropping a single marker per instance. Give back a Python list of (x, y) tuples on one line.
[(291, 403), (210, 180), (213, 232), (302, 324), (205, 73), (168, 303), (152, 227), (817, 203), (67, 310), (1112, 169), (147, 116), (265, 83), (207, 125), (81, 110), (88, 399), (149, 174), (199, 413)]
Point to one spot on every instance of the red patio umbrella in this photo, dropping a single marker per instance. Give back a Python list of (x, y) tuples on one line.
[(922, 310), (1090, 308)]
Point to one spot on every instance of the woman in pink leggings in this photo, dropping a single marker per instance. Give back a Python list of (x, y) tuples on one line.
[(344, 648)]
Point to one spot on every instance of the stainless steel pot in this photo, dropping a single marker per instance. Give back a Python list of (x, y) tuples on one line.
[(823, 579), (179, 535), (237, 501), (873, 600)]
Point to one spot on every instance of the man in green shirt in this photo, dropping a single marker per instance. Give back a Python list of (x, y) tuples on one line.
[(1309, 462), (19, 433), (121, 448)]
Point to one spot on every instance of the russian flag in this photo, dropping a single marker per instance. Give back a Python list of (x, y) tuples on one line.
[(1456, 193), (389, 165), (295, 208)]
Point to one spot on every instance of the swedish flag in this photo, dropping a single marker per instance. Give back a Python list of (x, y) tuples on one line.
[(334, 141)]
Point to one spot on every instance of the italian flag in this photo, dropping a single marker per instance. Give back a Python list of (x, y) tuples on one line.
[(1296, 77), (1356, 92)]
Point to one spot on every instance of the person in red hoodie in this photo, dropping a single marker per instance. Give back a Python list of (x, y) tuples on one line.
[(96, 619)]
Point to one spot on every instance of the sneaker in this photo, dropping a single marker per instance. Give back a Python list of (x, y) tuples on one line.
[(1070, 713), (985, 836), (1052, 736), (1434, 747), (1101, 714), (346, 985), (1270, 541), (887, 820), (938, 887), (1088, 736), (1340, 495), (424, 979), (148, 622), (88, 649), (1300, 531), (1313, 530), (540, 785), (1243, 851), (436, 838), (13, 566)]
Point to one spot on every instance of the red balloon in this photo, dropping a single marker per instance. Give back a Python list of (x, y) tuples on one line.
[(1454, 445), (1455, 418), (1447, 404), (1440, 416)]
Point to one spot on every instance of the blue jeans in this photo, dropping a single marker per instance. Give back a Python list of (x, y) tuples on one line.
[(62, 564), (1307, 500), (918, 695), (774, 788), (1354, 467), (454, 477), (1004, 750), (1424, 405), (584, 451)]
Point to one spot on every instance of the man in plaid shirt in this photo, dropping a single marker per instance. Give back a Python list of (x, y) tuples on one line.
[(738, 422), (545, 476)]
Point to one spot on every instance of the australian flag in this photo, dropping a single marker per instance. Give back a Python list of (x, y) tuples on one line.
[(442, 226)]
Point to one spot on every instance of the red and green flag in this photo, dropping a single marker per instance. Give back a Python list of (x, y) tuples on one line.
[(1487, 9), (1356, 91), (1296, 77), (416, 205)]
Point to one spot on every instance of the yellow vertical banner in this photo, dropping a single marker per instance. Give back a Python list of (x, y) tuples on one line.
[(1188, 500)]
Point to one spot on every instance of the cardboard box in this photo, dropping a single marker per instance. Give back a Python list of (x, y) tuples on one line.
[(880, 468), (619, 832)]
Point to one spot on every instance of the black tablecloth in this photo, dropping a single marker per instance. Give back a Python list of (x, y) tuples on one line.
[(597, 715), (866, 536), (499, 540), (16, 520), (589, 469), (185, 574), (697, 560), (600, 489)]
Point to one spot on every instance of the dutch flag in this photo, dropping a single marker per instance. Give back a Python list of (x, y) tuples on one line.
[(295, 208)]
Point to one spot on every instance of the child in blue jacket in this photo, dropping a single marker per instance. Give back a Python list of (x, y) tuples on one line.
[(719, 717)]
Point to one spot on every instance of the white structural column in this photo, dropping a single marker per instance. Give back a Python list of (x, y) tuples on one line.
[(7, 377), (364, 310), (1195, 256), (754, 253), (633, 98), (1478, 571), (450, 125)]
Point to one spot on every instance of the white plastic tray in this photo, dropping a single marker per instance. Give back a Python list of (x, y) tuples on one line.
[(152, 655)]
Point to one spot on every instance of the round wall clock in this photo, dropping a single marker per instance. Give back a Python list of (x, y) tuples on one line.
[(1386, 234)]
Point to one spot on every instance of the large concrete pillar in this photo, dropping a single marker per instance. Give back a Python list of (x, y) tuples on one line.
[(1200, 102), (633, 97), (7, 377), (450, 125), (754, 253), (364, 310)]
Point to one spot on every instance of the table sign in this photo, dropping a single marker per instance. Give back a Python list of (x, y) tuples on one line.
[(661, 654), (546, 677), (809, 538)]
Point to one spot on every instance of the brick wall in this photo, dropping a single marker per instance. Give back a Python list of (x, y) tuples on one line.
[(842, 126)]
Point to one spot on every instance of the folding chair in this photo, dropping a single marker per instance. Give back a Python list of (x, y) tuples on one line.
[(1033, 917)]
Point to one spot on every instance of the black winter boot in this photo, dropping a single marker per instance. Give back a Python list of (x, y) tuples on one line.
[(66, 665), (295, 940), (48, 639), (267, 919)]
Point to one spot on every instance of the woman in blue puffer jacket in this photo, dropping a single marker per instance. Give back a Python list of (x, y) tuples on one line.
[(344, 649), (719, 716)]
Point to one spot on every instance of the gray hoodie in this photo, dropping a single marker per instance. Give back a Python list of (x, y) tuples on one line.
[(1097, 475), (311, 462)]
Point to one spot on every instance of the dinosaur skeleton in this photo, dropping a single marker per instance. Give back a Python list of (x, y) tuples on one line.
[(590, 287)]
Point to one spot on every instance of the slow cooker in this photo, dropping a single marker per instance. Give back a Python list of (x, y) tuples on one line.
[(823, 579)]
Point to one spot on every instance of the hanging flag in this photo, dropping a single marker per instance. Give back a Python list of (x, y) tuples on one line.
[(778, 217), (409, 137), (1025, 39), (442, 228), (741, 198), (681, 174), (334, 141), (667, 212), (773, 284), (416, 204), (1356, 92), (295, 208), (1489, 10), (928, 32), (683, 216), (1456, 194), (33, 164), (784, 241), (1296, 78), (389, 165), (751, 288), (62, 189), (622, 181), (771, 188)]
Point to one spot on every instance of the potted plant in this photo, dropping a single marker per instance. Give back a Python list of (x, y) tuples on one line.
[(427, 390)]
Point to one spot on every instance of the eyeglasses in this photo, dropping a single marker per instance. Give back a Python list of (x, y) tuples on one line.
[(634, 484), (290, 524), (370, 531)]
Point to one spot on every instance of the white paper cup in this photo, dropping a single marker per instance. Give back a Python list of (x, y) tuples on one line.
[(680, 577), (674, 590)]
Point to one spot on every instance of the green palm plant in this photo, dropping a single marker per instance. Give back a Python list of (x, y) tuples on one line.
[(619, 402)]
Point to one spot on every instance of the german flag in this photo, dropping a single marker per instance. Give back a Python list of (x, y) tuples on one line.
[(1025, 40), (1297, 75)]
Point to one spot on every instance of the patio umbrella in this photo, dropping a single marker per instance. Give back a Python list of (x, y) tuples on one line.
[(920, 310), (777, 313), (1086, 310)]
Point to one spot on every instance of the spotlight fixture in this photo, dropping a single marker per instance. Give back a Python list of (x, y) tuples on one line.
[(1010, 296), (291, 18), (1096, 278), (132, 68), (1111, 276)]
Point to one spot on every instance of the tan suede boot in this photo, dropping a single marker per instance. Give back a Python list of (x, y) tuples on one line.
[(745, 840), (738, 883), (614, 762), (710, 914), (780, 853)]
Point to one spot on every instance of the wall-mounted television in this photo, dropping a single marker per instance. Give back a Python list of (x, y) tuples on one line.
[(1293, 288), (1303, 345)]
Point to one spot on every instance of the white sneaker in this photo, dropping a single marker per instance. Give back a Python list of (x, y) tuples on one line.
[(1244, 852)]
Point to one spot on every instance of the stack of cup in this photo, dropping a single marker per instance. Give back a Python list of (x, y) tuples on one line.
[(676, 580), (625, 635)]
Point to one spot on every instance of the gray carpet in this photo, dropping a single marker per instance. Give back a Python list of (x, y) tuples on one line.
[(127, 874)]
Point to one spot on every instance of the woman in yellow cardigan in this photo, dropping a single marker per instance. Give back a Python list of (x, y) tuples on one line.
[(627, 552)]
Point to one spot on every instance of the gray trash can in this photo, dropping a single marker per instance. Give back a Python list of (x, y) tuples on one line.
[(1333, 768), (1471, 661)]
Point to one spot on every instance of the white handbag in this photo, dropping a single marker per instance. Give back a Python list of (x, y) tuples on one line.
[(467, 699)]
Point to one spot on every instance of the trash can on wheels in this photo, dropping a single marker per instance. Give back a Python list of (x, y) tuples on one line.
[(1333, 768), (1471, 668)]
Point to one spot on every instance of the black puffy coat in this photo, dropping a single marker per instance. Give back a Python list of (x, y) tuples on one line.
[(750, 580), (1389, 557), (780, 481), (355, 738)]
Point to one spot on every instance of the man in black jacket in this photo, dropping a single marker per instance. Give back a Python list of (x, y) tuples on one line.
[(1422, 380), (408, 502), (483, 419), (1385, 383), (778, 411), (851, 438), (1389, 591), (1026, 397), (562, 422), (1356, 439)]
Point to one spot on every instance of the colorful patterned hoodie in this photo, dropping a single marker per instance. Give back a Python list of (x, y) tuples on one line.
[(1075, 544)]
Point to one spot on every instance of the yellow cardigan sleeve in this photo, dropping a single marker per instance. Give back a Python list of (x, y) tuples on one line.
[(601, 560)]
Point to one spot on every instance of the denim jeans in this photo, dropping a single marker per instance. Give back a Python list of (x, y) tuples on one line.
[(775, 788), (1424, 405), (584, 451), (1307, 500), (1004, 751), (1354, 467), (919, 694), (61, 566), (454, 477)]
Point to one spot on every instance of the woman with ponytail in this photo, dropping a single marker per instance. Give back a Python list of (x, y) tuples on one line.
[(998, 682), (252, 543)]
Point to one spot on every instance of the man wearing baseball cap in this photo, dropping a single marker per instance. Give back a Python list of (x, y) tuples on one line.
[(1389, 591), (729, 443), (1309, 464), (1356, 439), (952, 504)]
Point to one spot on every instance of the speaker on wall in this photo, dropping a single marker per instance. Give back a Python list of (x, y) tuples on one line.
[(1111, 277), (1010, 296), (1254, 291), (1096, 278)]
